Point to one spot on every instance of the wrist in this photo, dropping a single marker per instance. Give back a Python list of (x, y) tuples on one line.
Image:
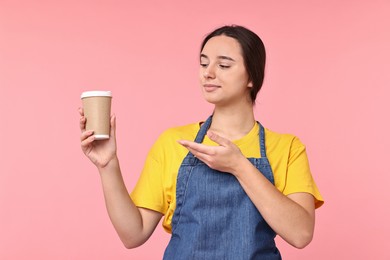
[(111, 164), (240, 166)]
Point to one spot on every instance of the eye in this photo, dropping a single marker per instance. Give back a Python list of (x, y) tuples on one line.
[(223, 66), (203, 65)]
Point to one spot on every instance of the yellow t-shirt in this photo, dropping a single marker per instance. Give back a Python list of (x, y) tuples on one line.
[(156, 187)]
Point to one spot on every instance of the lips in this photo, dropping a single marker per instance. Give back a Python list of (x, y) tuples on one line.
[(210, 87)]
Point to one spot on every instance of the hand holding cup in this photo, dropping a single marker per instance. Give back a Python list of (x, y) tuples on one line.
[(97, 127)]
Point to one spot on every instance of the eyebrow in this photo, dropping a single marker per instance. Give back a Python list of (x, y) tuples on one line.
[(218, 57)]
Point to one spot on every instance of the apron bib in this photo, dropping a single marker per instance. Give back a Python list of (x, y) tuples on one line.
[(214, 218)]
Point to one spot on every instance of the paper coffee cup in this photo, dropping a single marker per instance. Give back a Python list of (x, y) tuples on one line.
[(97, 111)]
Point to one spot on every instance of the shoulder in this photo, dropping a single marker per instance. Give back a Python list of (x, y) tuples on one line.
[(285, 140), (167, 140), (180, 132)]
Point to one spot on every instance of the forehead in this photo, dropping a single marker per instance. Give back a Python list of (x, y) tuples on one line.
[(222, 46)]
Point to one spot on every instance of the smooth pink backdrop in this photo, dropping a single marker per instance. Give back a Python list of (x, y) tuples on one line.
[(327, 81)]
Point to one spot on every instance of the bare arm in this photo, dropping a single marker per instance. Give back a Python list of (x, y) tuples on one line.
[(292, 217), (133, 225)]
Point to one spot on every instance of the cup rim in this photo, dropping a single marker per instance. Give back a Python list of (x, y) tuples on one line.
[(96, 93)]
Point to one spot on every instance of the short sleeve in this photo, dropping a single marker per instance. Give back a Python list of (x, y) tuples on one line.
[(299, 177), (149, 191)]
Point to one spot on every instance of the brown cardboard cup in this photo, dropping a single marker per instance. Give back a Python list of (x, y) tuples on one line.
[(97, 111)]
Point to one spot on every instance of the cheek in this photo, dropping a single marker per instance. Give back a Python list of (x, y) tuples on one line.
[(245, 78), (240, 79)]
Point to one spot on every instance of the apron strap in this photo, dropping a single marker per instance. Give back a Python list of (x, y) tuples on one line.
[(203, 130), (262, 141)]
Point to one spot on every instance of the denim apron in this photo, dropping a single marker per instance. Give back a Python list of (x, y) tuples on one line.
[(214, 218)]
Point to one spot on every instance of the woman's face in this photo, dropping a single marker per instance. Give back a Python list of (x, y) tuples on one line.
[(222, 74)]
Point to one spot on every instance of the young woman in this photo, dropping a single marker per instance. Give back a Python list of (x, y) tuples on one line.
[(225, 186)]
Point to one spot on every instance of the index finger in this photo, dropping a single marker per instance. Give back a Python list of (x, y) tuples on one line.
[(82, 124), (200, 148), (82, 119), (81, 111)]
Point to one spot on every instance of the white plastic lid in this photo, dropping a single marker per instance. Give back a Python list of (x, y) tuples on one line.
[(101, 137), (96, 93)]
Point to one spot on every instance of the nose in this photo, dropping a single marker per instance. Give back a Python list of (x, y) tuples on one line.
[(209, 72)]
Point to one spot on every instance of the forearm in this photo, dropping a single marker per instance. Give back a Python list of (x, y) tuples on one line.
[(124, 215), (290, 220)]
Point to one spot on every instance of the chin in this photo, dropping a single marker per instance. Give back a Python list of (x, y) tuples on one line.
[(210, 100)]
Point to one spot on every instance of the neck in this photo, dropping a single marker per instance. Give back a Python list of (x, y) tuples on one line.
[(233, 123)]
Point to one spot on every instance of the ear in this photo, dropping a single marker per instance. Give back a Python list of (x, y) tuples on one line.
[(250, 84)]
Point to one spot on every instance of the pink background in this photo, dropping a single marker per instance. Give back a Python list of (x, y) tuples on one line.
[(327, 81)]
